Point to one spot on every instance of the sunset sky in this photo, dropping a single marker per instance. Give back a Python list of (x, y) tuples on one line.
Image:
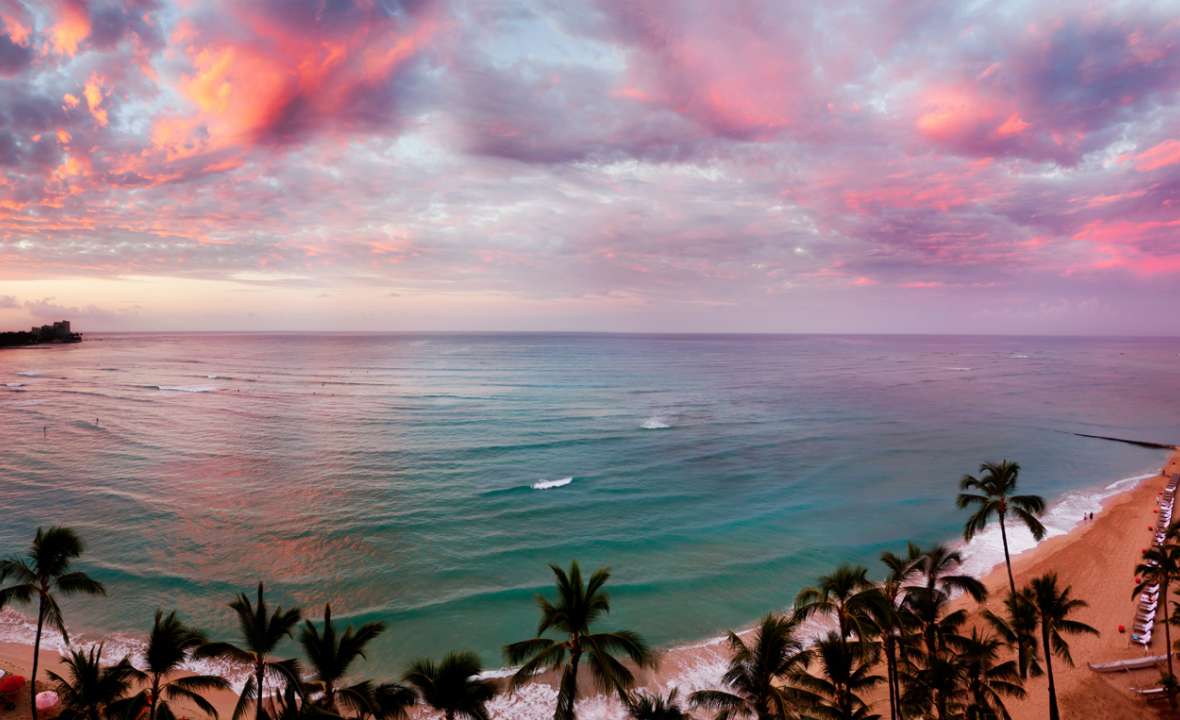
[(612, 165)]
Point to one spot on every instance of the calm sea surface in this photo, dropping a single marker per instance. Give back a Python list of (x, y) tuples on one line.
[(427, 480)]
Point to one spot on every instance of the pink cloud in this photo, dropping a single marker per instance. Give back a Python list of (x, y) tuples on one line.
[(1162, 155)]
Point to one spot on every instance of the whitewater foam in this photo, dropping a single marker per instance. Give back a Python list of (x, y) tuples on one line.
[(16, 628), (550, 484), (655, 422), (28, 373)]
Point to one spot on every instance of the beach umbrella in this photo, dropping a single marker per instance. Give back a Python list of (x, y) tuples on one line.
[(11, 683), (47, 700)]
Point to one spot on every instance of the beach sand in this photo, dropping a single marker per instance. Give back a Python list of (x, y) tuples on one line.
[(1097, 559)]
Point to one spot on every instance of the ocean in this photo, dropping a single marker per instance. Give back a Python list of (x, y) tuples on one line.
[(427, 480)]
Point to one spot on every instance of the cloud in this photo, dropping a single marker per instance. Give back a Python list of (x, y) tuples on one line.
[(608, 152)]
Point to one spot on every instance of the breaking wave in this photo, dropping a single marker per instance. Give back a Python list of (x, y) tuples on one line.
[(550, 484)]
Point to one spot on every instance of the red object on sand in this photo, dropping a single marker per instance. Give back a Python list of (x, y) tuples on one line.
[(1136, 579), (11, 684), (1122, 629)]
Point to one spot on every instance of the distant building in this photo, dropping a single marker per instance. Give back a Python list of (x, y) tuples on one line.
[(58, 332)]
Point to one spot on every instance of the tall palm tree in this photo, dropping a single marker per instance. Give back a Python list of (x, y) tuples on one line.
[(845, 674), (891, 619), (1019, 630), (261, 631), (453, 686), (762, 676), (643, 706), (170, 644), (1161, 565), (1053, 607), (578, 605), (91, 689), (331, 654), (44, 573), (993, 496), (986, 680)]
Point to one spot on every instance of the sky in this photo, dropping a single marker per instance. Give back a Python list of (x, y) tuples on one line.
[(663, 165)]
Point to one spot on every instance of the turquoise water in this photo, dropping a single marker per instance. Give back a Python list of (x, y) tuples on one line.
[(393, 475)]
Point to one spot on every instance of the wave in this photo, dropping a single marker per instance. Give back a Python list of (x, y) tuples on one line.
[(14, 386), (550, 484), (655, 422)]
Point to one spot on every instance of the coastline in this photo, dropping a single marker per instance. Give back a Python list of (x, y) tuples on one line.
[(1094, 557)]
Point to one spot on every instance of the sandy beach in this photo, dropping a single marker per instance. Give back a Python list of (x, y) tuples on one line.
[(1096, 558)]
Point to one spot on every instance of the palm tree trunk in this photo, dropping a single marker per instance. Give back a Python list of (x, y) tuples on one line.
[(568, 694), (891, 674), (1007, 559), (155, 697), (36, 658), (1168, 640), (1054, 714), (259, 673)]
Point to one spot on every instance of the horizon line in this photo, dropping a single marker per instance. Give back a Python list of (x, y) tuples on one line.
[(665, 333)]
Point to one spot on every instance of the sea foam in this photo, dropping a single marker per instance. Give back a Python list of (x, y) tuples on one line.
[(655, 422), (550, 484)]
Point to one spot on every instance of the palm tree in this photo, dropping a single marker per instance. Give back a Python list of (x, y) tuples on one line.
[(578, 606), (261, 631), (91, 688), (928, 603), (1053, 608), (986, 680), (1019, 631), (937, 568), (45, 572), (171, 643), (1161, 565), (762, 675), (932, 687), (643, 706), (845, 673), (845, 594), (391, 701), (891, 618), (452, 686), (331, 655), (994, 486)]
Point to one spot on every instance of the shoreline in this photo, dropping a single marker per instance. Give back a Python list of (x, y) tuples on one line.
[(699, 664)]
